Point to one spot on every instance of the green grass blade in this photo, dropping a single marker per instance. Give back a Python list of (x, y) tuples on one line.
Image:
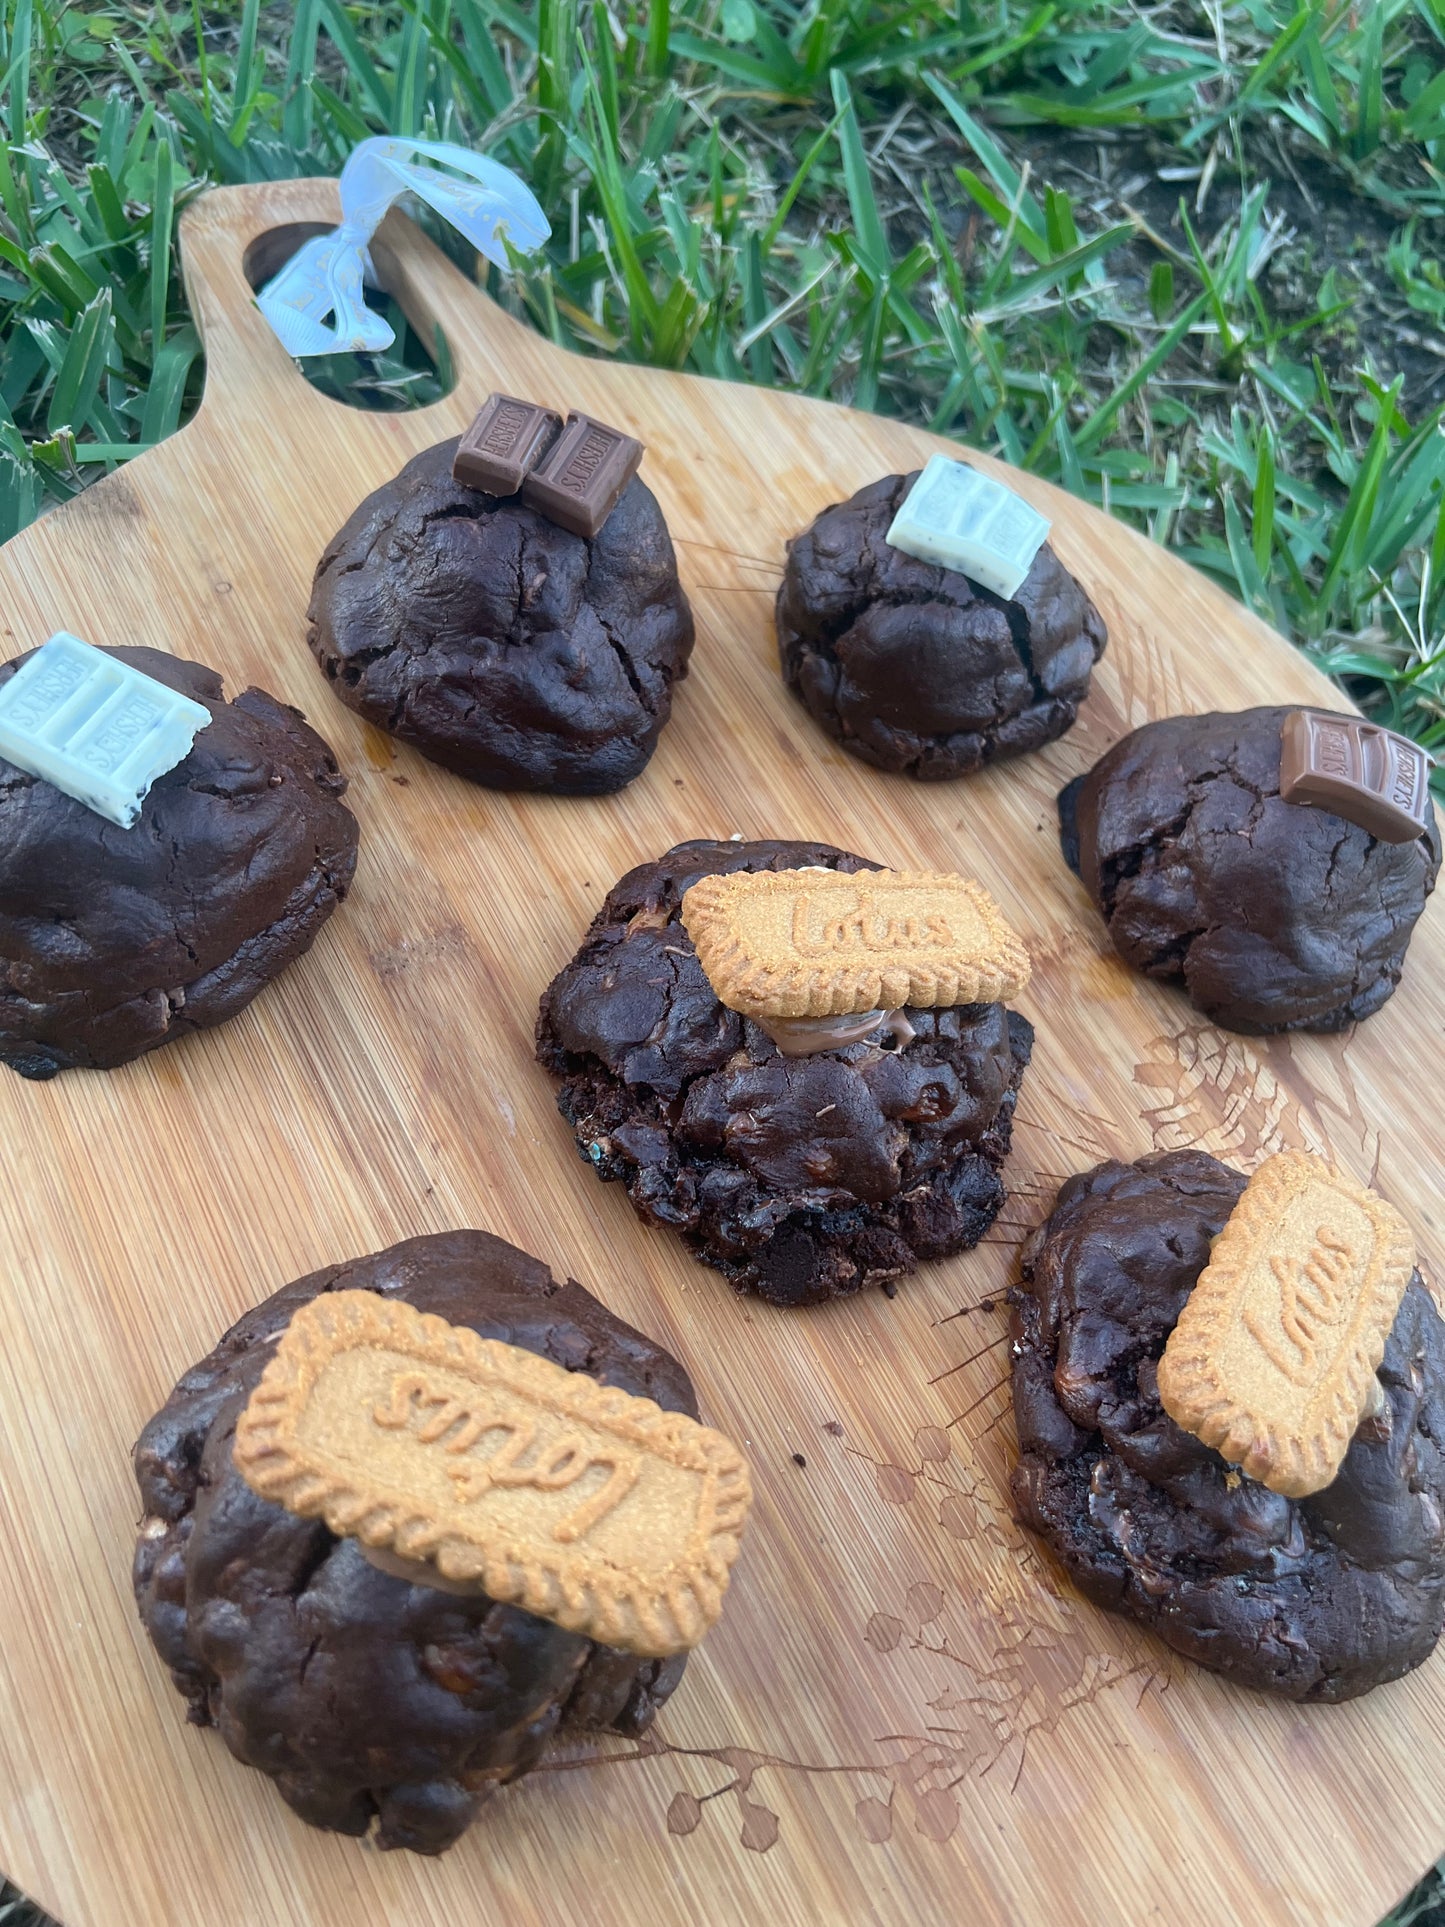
[(867, 224), (408, 112), (659, 38), (1370, 112), (1103, 417), (365, 75), (17, 90), (77, 383), (1263, 505), (162, 219), (166, 393), (798, 182), (1000, 170)]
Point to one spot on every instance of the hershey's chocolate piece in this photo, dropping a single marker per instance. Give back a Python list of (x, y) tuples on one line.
[(1368, 775), (504, 444), (583, 475)]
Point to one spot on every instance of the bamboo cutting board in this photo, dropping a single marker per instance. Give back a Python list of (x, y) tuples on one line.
[(906, 1715)]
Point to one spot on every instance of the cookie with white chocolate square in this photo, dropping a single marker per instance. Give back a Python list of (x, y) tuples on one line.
[(927, 625)]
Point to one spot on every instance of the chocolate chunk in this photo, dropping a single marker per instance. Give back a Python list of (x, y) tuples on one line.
[(583, 475), (1367, 775), (504, 444)]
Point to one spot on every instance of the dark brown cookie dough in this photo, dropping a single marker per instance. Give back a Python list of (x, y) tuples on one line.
[(799, 1178), (113, 941), (1275, 915), (912, 666), (499, 645), (1315, 1599), (363, 1696)]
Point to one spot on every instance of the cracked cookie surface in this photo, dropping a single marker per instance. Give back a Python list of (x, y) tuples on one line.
[(1274, 915), (1314, 1599), (799, 1178), (113, 941), (915, 668), (368, 1699), (498, 644)]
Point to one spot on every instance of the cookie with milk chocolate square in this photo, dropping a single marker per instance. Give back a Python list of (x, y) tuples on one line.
[(1208, 871)]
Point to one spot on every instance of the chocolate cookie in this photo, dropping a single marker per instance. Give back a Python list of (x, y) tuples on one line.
[(114, 941), (799, 1178), (917, 669), (498, 644), (1276, 916), (364, 1696), (1314, 1599)]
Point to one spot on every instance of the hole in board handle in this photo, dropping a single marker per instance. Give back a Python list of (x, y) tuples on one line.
[(411, 373)]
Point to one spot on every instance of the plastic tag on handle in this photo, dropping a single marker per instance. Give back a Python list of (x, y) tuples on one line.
[(316, 304)]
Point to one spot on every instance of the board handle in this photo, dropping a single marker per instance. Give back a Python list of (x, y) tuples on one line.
[(233, 239)]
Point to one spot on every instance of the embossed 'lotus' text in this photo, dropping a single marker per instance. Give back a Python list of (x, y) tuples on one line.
[(862, 927), (522, 1456), (1314, 1305)]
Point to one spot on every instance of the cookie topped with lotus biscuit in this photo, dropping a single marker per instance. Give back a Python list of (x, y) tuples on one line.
[(418, 1513), (1230, 1403), (803, 1062), (1273, 1359)]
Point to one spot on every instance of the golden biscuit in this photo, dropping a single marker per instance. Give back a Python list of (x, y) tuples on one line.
[(1273, 1360), (818, 943), (544, 1489)]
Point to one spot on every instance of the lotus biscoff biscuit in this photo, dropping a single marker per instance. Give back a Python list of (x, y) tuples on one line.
[(820, 943), (1273, 1360), (576, 1501)]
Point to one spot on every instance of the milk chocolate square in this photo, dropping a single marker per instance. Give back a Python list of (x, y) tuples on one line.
[(504, 443), (1368, 775), (582, 477)]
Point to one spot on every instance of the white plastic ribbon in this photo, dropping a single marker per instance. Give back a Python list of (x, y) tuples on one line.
[(325, 276)]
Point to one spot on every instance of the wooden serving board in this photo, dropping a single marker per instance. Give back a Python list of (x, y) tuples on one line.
[(906, 1714)]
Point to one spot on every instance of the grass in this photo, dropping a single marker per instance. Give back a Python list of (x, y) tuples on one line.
[(1182, 259)]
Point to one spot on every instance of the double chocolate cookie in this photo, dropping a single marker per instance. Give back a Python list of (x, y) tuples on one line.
[(801, 1178), (499, 644), (368, 1697), (912, 666), (113, 941), (1275, 915), (1318, 1598)]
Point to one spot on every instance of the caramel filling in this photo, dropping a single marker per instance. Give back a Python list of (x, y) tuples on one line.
[(805, 1036)]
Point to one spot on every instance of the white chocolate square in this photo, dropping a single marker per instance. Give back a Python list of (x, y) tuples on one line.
[(95, 727), (959, 518)]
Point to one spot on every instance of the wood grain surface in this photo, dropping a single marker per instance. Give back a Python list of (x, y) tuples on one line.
[(906, 1714)]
